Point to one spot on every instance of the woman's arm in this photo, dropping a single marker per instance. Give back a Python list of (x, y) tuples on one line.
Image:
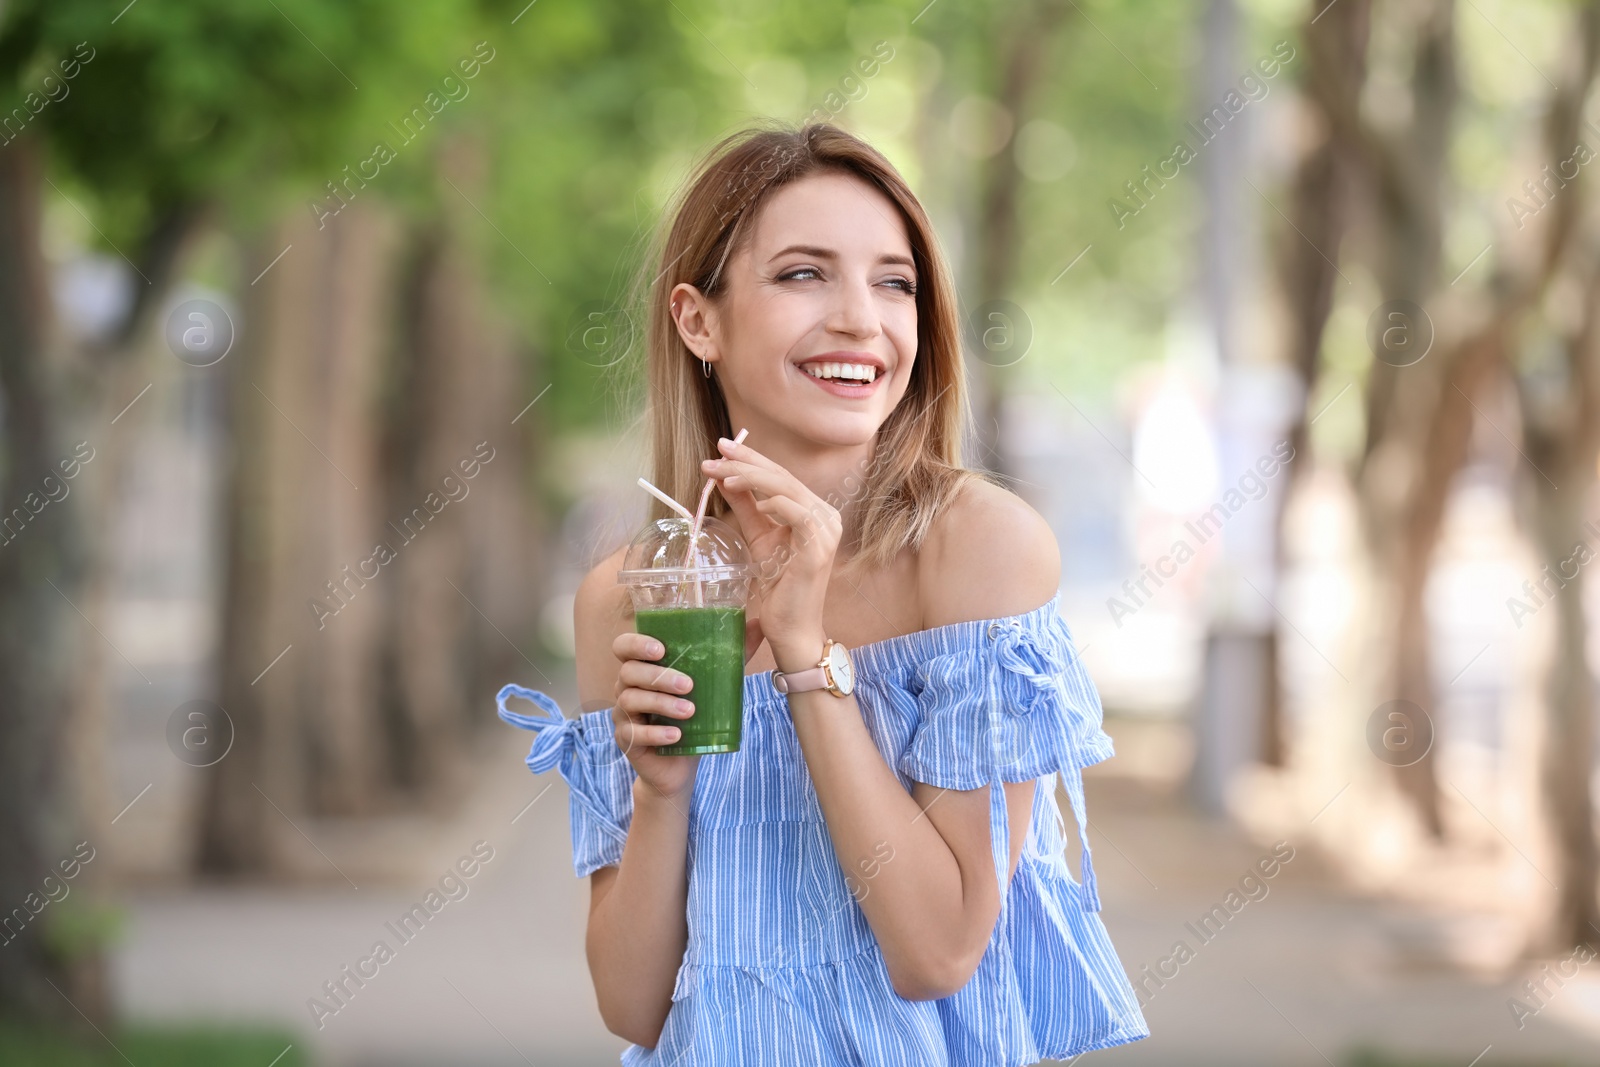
[(637, 928), (934, 905)]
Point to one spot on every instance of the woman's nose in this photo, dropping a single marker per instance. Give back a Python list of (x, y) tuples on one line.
[(853, 312)]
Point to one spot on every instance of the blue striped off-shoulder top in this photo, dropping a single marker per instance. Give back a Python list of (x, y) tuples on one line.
[(781, 966)]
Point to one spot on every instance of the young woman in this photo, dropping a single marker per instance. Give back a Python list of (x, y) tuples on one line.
[(877, 876)]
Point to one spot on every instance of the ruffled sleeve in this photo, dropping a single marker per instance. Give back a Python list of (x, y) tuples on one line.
[(1015, 706), (598, 776)]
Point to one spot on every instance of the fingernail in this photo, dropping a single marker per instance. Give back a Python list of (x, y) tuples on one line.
[(686, 706), (673, 733), (683, 684), (724, 443)]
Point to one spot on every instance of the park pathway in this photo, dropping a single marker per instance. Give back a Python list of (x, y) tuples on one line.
[(1306, 975)]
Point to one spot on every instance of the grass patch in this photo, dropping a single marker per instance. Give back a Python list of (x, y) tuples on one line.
[(151, 1046), (1370, 1057)]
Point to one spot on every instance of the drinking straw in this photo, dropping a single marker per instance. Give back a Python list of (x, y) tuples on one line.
[(667, 500), (694, 529)]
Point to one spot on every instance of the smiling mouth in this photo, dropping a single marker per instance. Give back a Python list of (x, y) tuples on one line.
[(842, 373), (847, 381)]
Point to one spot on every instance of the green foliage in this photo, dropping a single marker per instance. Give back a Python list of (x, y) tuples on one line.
[(171, 1047), (218, 99), (569, 208), (1369, 1057), (1136, 272), (590, 115), (78, 927)]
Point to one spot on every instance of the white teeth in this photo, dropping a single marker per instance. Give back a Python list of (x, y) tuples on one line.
[(852, 371)]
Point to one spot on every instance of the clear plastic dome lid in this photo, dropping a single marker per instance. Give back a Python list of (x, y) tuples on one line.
[(661, 553)]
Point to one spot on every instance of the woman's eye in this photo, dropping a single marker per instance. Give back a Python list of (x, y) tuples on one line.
[(905, 285)]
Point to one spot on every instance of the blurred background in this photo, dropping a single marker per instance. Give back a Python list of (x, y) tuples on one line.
[(319, 394)]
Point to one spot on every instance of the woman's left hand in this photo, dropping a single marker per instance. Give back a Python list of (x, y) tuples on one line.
[(793, 535)]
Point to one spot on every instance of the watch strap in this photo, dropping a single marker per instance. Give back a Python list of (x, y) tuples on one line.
[(800, 681)]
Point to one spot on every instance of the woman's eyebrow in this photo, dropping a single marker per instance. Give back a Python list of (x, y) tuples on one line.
[(828, 253)]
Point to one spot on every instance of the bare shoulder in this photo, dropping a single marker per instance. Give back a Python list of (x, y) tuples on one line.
[(600, 611), (989, 555)]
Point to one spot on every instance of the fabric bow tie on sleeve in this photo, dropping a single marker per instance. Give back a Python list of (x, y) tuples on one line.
[(1040, 666), (554, 733), (584, 752), (1043, 666)]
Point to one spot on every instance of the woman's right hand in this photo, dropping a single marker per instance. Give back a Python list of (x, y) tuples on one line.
[(645, 688)]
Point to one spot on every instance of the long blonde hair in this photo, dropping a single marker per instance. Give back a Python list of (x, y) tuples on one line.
[(917, 459)]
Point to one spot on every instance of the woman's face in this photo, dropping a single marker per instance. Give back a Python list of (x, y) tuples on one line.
[(825, 277)]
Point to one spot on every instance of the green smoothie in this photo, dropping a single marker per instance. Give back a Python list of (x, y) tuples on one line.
[(707, 644)]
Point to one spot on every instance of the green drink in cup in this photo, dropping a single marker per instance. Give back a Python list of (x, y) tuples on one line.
[(689, 593)]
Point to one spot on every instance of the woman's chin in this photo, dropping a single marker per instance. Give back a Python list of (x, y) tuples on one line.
[(836, 430)]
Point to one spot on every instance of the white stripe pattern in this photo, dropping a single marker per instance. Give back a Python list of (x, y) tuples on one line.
[(781, 966)]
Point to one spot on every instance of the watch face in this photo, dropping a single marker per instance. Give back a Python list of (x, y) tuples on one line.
[(844, 672)]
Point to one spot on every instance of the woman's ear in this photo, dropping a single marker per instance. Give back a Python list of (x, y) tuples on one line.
[(692, 312)]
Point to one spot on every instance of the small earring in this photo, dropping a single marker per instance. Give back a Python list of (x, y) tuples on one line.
[(705, 367)]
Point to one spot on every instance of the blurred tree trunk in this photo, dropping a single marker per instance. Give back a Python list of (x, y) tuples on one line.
[(1029, 37), (1559, 399), (456, 392), (1403, 489), (300, 622), (429, 434), (40, 565), (1413, 449), (1562, 435), (1408, 464), (239, 829), (1419, 416), (1320, 204), (370, 375), (62, 405), (347, 753), (1402, 524)]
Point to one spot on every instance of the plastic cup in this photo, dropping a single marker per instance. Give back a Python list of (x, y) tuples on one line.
[(693, 603)]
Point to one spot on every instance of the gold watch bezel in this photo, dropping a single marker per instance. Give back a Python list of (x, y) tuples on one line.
[(826, 663)]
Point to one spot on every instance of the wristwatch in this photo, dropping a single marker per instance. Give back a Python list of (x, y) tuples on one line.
[(834, 672)]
